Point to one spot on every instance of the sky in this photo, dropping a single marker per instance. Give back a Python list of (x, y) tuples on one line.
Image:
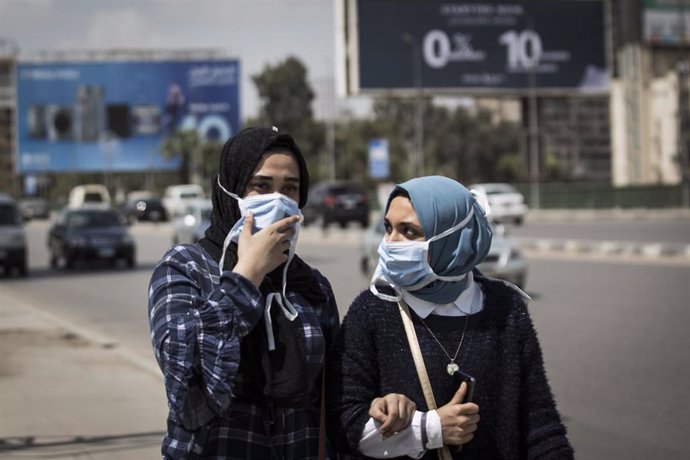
[(258, 32)]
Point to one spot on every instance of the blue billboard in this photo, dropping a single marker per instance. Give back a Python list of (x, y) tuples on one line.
[(95, 116)]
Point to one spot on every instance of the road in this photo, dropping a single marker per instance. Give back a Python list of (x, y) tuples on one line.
[(613, 332)]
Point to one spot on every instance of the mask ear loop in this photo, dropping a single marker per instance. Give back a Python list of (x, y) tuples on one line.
[(482, 200), (229, 236), (286, 306), (379, 275)]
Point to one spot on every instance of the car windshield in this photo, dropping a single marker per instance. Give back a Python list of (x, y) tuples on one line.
[(93, 197), (345, 190), (9, 215), (93, 219), (499, 188)]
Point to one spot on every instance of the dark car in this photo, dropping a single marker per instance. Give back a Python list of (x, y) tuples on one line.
[(89, 234), (12, 237), (337, 202), (145, 209)]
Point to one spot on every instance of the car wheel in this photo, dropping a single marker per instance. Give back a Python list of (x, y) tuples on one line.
[(131, 263), (518, 221), (343, 224), (69, 262), (53, 261), (364, 222), (23, 269)]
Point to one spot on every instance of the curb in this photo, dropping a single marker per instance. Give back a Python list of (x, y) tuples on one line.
[(570, 215), (677, 251)]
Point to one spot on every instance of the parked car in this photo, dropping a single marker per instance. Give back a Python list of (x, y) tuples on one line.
[(504, 260), (145, 209), (89, 234), (34, 208), (189, 227), (507, 204), (92, 195), (176, 198), (336, 202), (12, 237)]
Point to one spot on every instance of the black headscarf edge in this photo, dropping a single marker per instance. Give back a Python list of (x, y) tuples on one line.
[(239, 157)]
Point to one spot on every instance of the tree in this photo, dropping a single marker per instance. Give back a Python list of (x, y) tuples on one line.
[(199, 157), (286, 96), (286, 102)]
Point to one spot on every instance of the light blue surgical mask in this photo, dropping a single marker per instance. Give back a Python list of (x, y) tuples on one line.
[(266, 209), (405, 265)]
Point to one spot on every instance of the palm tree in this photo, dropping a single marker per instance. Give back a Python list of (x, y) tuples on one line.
[(189, 146)]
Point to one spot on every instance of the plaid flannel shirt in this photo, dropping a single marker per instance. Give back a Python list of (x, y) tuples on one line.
[(197, 320)]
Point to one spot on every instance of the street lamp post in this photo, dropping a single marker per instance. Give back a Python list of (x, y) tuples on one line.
[(416, 53)]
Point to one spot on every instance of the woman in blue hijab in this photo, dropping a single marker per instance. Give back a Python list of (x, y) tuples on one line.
[(435, 358)]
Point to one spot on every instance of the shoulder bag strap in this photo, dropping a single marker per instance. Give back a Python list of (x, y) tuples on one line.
[(443, 452), (322, 416)]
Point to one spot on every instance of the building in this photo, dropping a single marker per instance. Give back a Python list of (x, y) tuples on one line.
[(649, 91), (8, 55)]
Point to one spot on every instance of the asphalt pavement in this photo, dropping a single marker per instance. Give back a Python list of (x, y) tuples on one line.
[(67, 393)]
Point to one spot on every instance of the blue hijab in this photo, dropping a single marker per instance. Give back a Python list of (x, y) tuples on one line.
[(441, 203)]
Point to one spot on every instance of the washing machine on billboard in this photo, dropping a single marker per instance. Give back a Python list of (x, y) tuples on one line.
[(60, 122), (90, 113), (118, 120), (37, 128)]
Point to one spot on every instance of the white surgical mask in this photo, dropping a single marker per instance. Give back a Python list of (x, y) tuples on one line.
[(405, 265), (266, 209)]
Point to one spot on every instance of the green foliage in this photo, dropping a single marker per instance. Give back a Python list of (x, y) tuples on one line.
[(286, 102), (199, 156), (286, 96), (459, 143)]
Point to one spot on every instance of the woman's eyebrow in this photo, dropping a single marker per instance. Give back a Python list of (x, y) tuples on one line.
[(260, 177), (271, 178)]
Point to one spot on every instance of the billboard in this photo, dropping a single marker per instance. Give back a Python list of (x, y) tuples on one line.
[(474, 47), (667, 22), (96, 116)]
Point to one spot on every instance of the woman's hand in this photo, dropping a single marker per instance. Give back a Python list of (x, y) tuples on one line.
[(458, 421), (262, 252), (394, 411)]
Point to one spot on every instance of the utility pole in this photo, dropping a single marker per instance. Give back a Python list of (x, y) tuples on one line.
[(533, 132), (418, 155), (683, 70)]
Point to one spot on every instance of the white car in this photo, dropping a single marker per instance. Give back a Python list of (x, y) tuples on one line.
[(507, 204), (504, 260), (190, 225), (177, 197)]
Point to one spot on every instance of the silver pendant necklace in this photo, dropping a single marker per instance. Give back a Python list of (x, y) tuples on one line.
[(452, 366)]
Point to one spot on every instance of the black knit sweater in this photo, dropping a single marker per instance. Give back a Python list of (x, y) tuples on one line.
[(372, 358)]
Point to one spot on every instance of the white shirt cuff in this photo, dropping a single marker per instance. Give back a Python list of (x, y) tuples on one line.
[(434, 431), (405, 442)]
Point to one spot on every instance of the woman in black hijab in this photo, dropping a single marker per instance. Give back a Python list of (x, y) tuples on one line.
[(239, 323)]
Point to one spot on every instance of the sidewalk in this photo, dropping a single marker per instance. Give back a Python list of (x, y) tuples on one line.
[(64, 395)]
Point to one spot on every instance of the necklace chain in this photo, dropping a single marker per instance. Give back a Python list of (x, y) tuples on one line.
[(452, 367)]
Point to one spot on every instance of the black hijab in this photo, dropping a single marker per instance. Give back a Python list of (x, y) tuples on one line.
[(277, 377), (240, 156)]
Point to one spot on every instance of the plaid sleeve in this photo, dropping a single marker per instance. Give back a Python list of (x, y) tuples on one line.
[(196, 328)]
